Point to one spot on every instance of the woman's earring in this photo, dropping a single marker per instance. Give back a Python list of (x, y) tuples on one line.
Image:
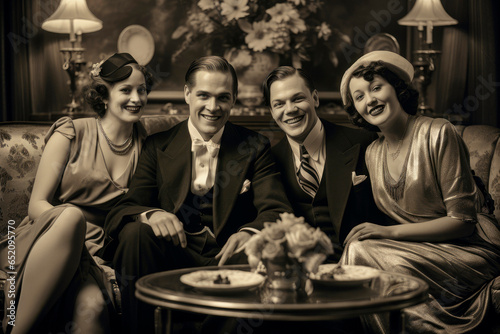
[(105, 106)]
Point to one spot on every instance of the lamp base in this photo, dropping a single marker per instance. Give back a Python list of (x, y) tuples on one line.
[(72, 107), (74, 63), (424, 68), (425, 110)]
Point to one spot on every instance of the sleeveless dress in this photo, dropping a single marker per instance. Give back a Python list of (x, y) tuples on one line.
[(436, 181), (86, 184)]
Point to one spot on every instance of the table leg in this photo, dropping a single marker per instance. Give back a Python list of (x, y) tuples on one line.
[(397, 322), (159, 328)]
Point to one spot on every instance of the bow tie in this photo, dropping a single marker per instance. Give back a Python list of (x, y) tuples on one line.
[(212, 148)]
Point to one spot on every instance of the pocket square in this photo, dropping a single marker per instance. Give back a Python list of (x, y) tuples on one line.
[(246, 186), (357, 179)]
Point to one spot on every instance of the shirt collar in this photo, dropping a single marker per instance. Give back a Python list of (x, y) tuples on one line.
[(195, 134), (313, 142)]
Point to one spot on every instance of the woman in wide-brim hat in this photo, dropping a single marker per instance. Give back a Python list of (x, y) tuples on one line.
[(85, 169), (421, 178)]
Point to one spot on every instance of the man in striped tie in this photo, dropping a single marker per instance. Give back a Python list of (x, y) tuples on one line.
[(322, 164)]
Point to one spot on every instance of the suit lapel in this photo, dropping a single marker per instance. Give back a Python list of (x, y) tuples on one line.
[(288, 166), (175, 167), (232, 166), (342, 158)]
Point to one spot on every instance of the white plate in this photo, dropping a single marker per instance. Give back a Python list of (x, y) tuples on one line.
[(137, 41), (350, 275), (239, 280)]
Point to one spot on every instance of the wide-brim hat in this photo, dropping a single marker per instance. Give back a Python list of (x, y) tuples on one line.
[(393, 61), (114, 69)]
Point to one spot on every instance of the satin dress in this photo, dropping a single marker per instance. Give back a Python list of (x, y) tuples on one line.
[(86, 184), (436, 181)]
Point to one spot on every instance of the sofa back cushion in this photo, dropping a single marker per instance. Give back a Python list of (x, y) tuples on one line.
[(484, 149), (21, 146)]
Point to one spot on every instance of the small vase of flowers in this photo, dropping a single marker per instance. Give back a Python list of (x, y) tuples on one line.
[(288, 249)]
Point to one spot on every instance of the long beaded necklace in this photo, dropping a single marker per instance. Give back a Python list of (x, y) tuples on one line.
[(121, 149), (395, 154)]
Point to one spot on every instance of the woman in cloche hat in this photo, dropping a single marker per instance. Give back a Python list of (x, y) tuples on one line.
[(421, 178), (85, 169)]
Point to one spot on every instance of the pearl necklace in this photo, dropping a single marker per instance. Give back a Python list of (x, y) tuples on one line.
[(121, 149), (395, 154)]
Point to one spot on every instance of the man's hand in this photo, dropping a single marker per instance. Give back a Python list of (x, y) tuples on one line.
[(233, 244), (167, 225)]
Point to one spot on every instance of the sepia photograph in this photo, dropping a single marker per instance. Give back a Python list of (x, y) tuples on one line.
[(249, 166)]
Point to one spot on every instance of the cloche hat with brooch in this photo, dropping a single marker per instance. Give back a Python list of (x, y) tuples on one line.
[(113, 69)]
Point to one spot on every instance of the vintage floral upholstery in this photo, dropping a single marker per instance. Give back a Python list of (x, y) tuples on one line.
[(484, 149), (21, 146)]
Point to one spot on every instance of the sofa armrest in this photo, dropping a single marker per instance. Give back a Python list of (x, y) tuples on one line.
[(112, 287)]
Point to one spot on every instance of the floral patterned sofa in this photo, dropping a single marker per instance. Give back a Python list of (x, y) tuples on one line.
[(21, 145)]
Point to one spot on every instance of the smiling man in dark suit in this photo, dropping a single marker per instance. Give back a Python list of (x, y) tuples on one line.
[(200, 190), (322, 164)]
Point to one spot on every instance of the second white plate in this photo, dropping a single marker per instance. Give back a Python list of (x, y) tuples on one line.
[(348, 276)]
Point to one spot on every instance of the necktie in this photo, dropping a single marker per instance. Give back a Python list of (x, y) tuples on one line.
[(212, 148), (307, 175)]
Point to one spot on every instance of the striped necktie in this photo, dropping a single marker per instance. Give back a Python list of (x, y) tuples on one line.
[(307, 175)]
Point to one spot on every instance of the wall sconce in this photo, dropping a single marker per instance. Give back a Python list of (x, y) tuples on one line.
[(428, 13), (73, 17)]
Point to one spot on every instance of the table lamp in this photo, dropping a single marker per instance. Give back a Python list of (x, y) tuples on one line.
[(428, 13), (73, 17)]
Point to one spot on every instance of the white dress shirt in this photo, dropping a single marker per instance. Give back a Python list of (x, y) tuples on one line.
[(204, 161), (316, 147)]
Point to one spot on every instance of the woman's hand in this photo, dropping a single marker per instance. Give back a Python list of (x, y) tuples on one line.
[(437, 230), (369, 231)]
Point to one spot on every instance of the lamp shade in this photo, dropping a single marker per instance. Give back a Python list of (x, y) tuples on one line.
[(425, 11), (72, 16)]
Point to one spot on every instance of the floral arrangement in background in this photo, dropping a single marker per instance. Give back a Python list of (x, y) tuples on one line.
[(293, 29), (288, 241)]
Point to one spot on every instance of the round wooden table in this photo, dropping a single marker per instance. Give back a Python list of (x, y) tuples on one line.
[(389, 292)]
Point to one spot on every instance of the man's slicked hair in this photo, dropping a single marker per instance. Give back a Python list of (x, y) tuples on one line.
[(211, 64), (281, 73)]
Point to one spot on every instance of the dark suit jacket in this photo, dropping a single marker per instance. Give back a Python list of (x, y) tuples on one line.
[(348, 205), (163, 179)]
